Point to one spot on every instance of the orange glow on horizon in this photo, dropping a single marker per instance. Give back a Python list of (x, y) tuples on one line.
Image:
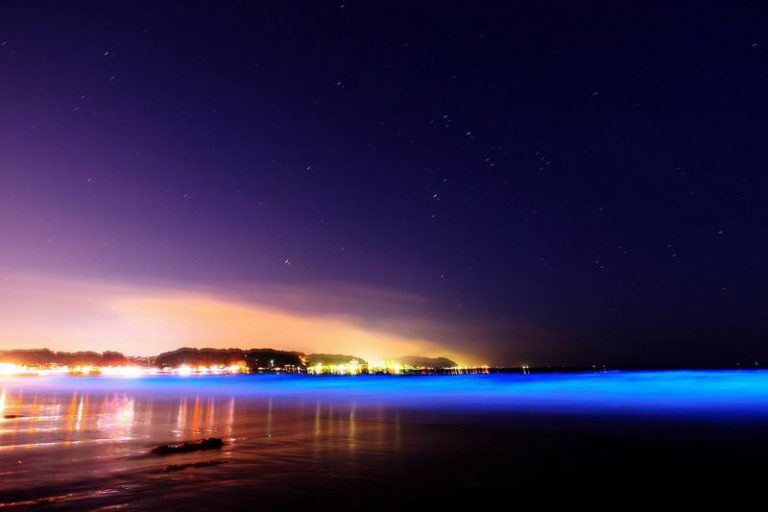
[(73, 315)]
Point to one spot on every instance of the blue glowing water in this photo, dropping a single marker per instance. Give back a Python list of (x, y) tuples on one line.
[(722, 394), (292, 441)]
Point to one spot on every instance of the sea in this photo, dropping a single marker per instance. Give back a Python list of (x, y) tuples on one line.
[(604, 440)]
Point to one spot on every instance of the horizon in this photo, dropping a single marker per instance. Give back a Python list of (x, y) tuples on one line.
[(524, 367)]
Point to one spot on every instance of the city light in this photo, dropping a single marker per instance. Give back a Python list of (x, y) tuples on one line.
[(17, 370), (186, 370), (351, 367), (10, 369)]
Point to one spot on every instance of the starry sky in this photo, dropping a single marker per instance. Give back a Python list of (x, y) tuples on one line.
[(501, 182)]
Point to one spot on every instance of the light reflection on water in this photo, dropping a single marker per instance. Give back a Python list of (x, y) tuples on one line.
[(87, 440), (603, 389), (83, 443)]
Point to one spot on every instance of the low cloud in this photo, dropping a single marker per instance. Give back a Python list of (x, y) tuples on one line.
[(84, 314)]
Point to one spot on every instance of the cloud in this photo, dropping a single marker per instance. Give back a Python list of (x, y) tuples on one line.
[(84, 314)]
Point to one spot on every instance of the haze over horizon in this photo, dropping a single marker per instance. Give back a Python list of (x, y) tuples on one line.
[(542, 184), (88, 314)]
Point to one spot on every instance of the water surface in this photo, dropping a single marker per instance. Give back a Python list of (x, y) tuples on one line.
[(379, 442)]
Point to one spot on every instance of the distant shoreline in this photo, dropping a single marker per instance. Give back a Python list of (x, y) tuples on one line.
[(209, 361)]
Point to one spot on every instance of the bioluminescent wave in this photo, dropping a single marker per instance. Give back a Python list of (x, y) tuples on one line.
[(718, 394)]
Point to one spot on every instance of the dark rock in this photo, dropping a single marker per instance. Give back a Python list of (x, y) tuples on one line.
[(212, 443), (181, 467), (13, 416)]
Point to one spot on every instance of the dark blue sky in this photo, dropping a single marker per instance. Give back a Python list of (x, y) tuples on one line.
[(569, 183)]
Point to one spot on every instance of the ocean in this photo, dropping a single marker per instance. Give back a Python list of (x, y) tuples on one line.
[(384, 442)]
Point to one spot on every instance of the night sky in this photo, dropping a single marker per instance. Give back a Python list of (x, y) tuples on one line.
[(511, 182)]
